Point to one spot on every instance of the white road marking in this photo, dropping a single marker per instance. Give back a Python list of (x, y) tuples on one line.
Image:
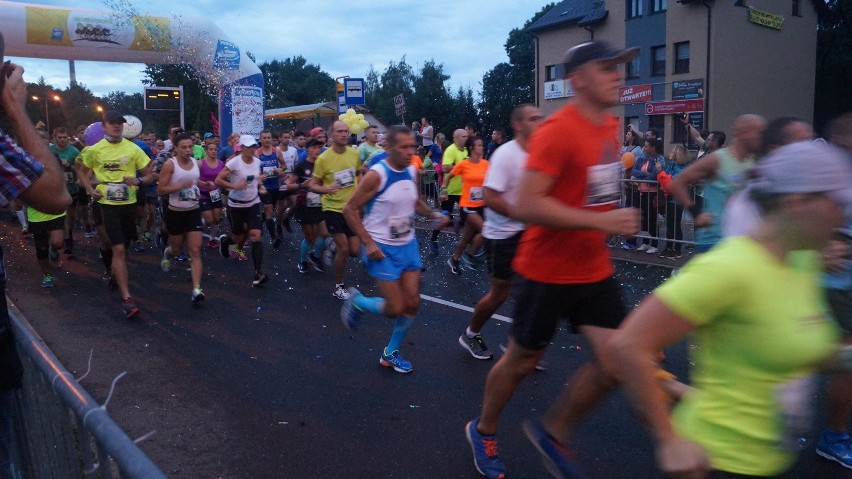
[(462, 307)]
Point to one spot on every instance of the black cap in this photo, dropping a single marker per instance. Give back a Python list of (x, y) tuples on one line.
[(314, 142), (112, 116), (596, 52)]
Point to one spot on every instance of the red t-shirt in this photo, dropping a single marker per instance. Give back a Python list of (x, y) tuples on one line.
[(582, 158)]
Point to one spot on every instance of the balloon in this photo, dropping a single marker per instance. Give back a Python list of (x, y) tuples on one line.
[(364, 124), (359, 117), (342, 117), (356, 128), (350, 111), (94, 133), (132, 128), (628, 159)]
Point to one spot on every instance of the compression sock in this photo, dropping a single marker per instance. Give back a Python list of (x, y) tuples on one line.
[(319, 246), (22, 218), (106, 257), (304, 249), (270, 226), (370, 304), (257, 254), (400, 329), (435, 235)]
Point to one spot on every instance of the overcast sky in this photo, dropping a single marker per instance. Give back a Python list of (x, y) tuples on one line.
[(344, 37)]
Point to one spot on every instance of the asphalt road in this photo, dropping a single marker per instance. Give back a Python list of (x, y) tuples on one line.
[(267, 383)]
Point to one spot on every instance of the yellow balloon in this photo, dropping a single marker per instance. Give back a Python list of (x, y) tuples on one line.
[(350, 111), (342, 117), (356, 128), (359, 117), (364, 124)]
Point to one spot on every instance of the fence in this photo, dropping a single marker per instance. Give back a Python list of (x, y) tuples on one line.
[(61, 432)]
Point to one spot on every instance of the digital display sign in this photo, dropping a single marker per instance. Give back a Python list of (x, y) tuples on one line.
[(162, 98)]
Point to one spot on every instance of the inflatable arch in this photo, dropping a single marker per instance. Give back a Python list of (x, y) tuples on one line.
[(39, 31)]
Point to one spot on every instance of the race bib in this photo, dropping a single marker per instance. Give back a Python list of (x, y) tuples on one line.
[(795, 411), (188, 194), (345, 178), (399, 226), (215, 195), (117, 192), (477, 193), (268, 171), (603, 184), (313, 200)]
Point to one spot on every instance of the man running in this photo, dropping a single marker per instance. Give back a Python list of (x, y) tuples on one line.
[(567, 196), (179, 181), (285, 208), (114, 161), (270, 169), (389, 196), (335, 177), (308, 210), (67, 153), (241, 175), (501, 232)]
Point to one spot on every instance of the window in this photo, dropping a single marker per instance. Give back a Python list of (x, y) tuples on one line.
[(680, 134), (796, 11), (632, 69), (657, 122), (550, 73), (658, 61), (658, 6), (634, 8), (681, 57)]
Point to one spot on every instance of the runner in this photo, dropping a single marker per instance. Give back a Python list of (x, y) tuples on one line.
[(241, 175), (501, 233), (114, 161), (48, 234), (270, 170), (389, 196), (179, 180), (210, 200), (286, 206), (308, 210), (67, 153), (472, 171), (567, 195), (335, 177)]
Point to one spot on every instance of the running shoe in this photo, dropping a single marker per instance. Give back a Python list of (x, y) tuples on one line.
[(182, 257), (130, 308), (340, 292), (628, 246), (223, 246), (480, 254), (276, 243), (52, 255), (643, 247), (651, 250), (395, 361), (197, 295), (837, 449), (349, 313), (475, 346), (554, 455), (433, 247), (47, 281), (25, 231), (467, 262), (303, 267), (259, 280), (138, 246), (147, 236), (90, 233), (668, 254), (485, 457), (166, 263), (454, 265), (316, 262)]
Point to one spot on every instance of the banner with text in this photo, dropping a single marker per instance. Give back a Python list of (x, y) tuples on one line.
[(669, 107)]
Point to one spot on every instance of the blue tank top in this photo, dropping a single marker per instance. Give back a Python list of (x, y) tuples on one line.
[(267, 163)]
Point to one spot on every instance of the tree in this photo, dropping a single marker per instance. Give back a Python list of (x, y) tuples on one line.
[(199, 97), (510, 84), (431, 97), (834, 61), (294, 81)]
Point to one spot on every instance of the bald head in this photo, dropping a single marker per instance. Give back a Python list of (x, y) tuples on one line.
[(748, 132), (339, 134), (460, 138)]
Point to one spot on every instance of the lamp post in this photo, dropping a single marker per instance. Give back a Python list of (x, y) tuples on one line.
[(56, 98)]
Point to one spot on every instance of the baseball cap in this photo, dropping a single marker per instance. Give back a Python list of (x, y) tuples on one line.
[(113, 116), (312, 142), (247, 140), (595, 51), (807, 167), (208, 135), (316, 132)]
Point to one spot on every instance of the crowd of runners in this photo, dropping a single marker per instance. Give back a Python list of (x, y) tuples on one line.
[(771, 208)]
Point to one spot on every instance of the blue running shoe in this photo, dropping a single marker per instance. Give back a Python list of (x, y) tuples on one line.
[(837, 448), (47, 281), (553, 454), (349, 313), (485, 457), (395, 361)]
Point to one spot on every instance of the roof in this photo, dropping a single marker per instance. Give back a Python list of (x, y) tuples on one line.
[(301, 112), (567, 12)]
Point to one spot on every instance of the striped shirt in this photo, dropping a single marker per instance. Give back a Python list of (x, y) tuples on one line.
[(18, 169)]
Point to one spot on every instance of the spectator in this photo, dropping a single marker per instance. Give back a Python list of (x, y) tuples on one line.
[(427, 132), (674, 210), (498, 137), (646, 168)]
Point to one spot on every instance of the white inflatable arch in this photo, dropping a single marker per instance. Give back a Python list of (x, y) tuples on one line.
[(38, 31)]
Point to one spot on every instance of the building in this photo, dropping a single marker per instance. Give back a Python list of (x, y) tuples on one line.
[(715, 59)]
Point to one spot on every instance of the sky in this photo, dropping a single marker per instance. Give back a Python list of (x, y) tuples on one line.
[(343, 37)]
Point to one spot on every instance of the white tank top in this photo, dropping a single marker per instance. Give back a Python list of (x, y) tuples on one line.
[(388, 216), (185, 199)]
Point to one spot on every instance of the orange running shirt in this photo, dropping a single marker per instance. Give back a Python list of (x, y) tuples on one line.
[(473, 177), (582, 159)]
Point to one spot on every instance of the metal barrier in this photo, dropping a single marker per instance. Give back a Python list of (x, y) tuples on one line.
[(61, 432)]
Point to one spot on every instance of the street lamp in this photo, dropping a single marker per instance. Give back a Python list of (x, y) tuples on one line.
[(47, 109)]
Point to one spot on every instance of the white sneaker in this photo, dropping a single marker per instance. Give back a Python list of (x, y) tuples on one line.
[(644, 247), (651, 250), (341, 293)]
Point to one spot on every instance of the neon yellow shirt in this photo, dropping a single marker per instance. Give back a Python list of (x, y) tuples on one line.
[(761, 329), (111, 162), (452, 157), (36, 216), (340, 168)]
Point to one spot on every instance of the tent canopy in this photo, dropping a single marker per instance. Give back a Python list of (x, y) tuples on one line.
[(302, 112)]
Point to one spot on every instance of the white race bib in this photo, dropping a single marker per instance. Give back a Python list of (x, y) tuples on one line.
[(117, 192), (399, 226), (345, 178), (188, 194), (477, 193), (268, 171), (215, 195), (313, 200), (603, 184)]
